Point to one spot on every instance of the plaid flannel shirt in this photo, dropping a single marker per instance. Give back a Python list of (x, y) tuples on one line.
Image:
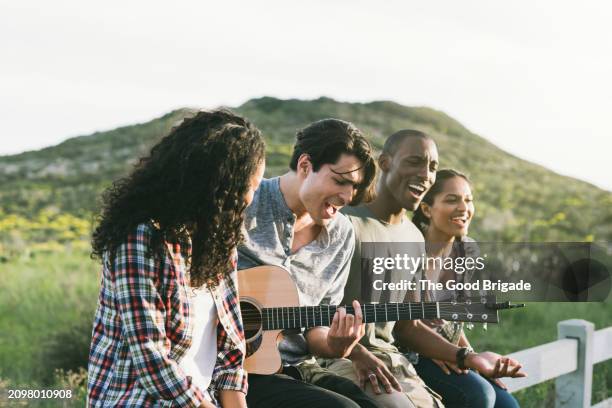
[(142, 328)]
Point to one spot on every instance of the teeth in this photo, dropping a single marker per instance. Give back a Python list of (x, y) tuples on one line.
[(417, 187), (332, 207)]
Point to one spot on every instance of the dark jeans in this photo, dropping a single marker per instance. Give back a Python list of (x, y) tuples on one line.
[(469, 390), (283, 391)]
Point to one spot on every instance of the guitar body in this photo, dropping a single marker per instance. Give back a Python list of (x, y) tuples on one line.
[(261, 287)]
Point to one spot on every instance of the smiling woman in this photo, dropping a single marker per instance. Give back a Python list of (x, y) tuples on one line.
[(447, 209), (444, 217)]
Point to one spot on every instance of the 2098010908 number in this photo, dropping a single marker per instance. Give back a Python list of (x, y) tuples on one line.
[(39, 394)]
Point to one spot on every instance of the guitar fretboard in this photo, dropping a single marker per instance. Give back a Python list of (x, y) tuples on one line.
[(277, 318)]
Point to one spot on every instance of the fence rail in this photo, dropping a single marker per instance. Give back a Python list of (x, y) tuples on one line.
[(569, 360)]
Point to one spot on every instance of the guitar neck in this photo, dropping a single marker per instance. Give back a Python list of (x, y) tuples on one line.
[(279, 318)]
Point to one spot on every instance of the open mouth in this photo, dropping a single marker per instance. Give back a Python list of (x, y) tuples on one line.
[(417, 189), (330, 209), (460, 220)]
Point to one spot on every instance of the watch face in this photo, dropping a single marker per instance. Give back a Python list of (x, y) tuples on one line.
[(461, 355)]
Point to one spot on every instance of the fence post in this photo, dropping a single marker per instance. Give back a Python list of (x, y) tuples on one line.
[(574, 389)]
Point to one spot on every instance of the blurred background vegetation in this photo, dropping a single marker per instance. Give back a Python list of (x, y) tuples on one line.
[(49, 199)]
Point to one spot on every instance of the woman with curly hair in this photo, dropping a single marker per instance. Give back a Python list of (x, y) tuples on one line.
[(167, 330), (444, 216)]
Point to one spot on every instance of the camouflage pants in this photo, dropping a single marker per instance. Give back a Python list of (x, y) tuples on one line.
[(415, 394)]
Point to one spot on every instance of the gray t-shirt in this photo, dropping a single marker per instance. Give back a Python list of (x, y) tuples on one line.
[(368, 229), (319, 269)]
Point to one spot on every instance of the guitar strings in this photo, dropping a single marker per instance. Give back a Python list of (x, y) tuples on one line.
[(390, 306), (270, 311), (319, 317), (280, 325), (288, 310), (283, 315)]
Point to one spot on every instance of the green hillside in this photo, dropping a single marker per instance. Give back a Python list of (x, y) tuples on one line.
[(50, 195), (48, 199)]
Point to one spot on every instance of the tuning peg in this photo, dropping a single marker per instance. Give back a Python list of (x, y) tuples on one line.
[(484, 326)]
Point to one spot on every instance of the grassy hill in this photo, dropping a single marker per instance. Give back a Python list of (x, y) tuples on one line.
[(48, 198), (50, 195)]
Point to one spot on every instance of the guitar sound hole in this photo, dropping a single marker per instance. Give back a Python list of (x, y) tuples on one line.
[(251, 318)]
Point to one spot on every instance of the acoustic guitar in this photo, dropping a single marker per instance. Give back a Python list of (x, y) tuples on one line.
[(268, 299)]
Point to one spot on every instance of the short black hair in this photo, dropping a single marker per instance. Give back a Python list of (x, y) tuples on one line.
[(396, 138), (325, 140)]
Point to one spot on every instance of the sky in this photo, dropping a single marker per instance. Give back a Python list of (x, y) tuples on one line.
[(535, 78)]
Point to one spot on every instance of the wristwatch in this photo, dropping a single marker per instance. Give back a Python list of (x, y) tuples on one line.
[(462, 353)]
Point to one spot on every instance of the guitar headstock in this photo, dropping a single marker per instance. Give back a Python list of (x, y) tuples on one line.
[(475, 309)]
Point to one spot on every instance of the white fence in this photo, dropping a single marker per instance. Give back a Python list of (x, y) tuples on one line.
[(570, 360)]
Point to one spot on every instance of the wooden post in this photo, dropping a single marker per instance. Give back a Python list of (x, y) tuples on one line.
[(574, 389)]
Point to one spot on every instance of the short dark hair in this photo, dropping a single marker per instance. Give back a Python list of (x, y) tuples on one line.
[(325, 140), (396, 138)]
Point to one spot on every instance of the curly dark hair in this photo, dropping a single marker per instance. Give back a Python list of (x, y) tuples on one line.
[(192, 188), (325, 140)]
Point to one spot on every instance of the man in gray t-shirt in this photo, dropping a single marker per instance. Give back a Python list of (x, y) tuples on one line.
[(319, 269), (294, 222), (408, 167), (402, 237)]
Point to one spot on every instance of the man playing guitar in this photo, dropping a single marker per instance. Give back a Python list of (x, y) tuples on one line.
[(294, 222)]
